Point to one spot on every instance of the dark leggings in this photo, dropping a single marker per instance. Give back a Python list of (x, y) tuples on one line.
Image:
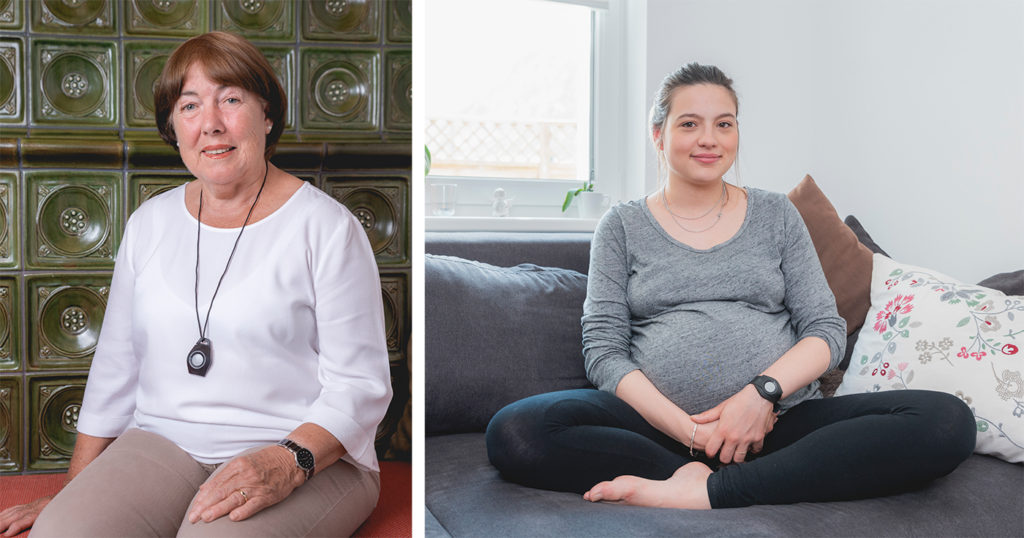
[(832, 449)]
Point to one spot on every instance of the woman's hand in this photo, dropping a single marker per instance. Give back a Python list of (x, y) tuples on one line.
[(18, 518), (743, 420), (247, 484)]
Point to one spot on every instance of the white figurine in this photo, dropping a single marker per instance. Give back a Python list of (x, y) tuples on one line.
[(500, 207)]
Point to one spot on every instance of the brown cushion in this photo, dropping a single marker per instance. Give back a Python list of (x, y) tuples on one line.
[(846, 262)]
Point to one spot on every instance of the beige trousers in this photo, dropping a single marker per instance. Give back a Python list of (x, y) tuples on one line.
[(143, 485)]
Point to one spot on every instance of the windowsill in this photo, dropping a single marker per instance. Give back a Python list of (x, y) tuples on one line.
[(509, 224)]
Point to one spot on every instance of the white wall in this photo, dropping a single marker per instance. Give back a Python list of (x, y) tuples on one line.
[(908, 113)]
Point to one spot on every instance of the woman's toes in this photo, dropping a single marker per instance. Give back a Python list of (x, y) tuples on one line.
[(618, 490)]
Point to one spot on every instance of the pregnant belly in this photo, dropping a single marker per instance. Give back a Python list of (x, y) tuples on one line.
[(698, 360)]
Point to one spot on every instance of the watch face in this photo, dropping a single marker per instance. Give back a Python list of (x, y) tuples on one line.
[(304, 458), (770, 386)]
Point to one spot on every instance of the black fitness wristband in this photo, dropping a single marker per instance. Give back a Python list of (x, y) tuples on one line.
[(769, 389)]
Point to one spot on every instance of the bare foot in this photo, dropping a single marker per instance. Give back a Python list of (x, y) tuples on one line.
[(686, 488)]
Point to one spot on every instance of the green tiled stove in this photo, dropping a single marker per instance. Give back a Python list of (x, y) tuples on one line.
[(79, 152)]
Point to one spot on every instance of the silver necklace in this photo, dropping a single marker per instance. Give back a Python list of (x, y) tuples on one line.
[(718, 217), (706, 213), (201, 355)]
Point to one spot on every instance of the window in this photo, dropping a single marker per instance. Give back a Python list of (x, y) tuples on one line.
[(509, 94), (510, 103)]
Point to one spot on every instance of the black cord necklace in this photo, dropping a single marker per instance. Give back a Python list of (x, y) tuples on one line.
[(201, 355)]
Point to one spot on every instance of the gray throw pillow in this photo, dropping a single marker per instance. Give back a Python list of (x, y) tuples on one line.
[(1008, 283), (494, 335), (863, 237)]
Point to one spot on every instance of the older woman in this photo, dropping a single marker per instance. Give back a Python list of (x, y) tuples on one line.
[(242, 367)]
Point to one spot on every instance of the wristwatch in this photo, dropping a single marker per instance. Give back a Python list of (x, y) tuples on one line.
[(303, 457), (769, 389)]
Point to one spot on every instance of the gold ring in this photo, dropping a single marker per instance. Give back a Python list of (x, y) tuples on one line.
[(245, 498)]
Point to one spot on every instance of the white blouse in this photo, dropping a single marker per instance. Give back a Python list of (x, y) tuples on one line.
[(297, 331)]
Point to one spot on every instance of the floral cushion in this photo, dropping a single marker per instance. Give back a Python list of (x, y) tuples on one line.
[(925, 330)]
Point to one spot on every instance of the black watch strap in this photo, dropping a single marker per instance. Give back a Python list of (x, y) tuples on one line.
[(769, 389), (303, 457)]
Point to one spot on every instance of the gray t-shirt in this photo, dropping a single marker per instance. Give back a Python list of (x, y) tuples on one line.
[(701, 324)]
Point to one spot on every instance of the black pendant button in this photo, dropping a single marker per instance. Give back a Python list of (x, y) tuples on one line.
[(200, 357)]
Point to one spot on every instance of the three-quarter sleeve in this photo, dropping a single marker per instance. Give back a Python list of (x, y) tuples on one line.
[(353, 368), (109, 402), (606, 315), (808, 298)]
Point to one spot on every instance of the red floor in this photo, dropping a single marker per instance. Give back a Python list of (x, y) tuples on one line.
[(391, 518)]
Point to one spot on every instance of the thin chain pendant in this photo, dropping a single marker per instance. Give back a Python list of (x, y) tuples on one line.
[(200, 357)]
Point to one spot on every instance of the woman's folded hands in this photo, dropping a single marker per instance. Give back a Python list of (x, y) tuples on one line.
[(736, 426)]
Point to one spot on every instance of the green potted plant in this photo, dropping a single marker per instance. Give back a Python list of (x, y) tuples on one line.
[(588, 186)]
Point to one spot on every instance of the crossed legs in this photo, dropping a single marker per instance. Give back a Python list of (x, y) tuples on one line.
[(821, 450)]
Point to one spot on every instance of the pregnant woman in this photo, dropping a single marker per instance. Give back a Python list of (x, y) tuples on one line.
[(707, 322)]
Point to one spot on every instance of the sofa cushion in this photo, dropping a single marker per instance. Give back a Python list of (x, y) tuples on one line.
[(845, 261), (468, 497), (569, 250), (863, 236), (926, 330), (495, 335), (1008, 283)]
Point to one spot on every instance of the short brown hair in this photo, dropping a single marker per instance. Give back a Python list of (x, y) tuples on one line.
[(227, 59)]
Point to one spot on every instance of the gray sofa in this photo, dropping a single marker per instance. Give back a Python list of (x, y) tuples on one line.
[(497, 333)]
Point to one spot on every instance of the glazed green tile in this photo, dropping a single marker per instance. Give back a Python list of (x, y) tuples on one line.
[(342, 90), (54, 404), (165, 17), (368, 156), (282, 60), (149, 134), (77, 82), (298, 155), (8, 152), (382, 206), (340, 20), (74, 218), (396, 310), (263, 20), (79, 17), (65, 314), (10, 324), (399, 21), (398, 111), (12, 72), (143, 62), (11, 15), (71, 152), (142, 187), (9, 213), (152, 154), (10, 424)]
